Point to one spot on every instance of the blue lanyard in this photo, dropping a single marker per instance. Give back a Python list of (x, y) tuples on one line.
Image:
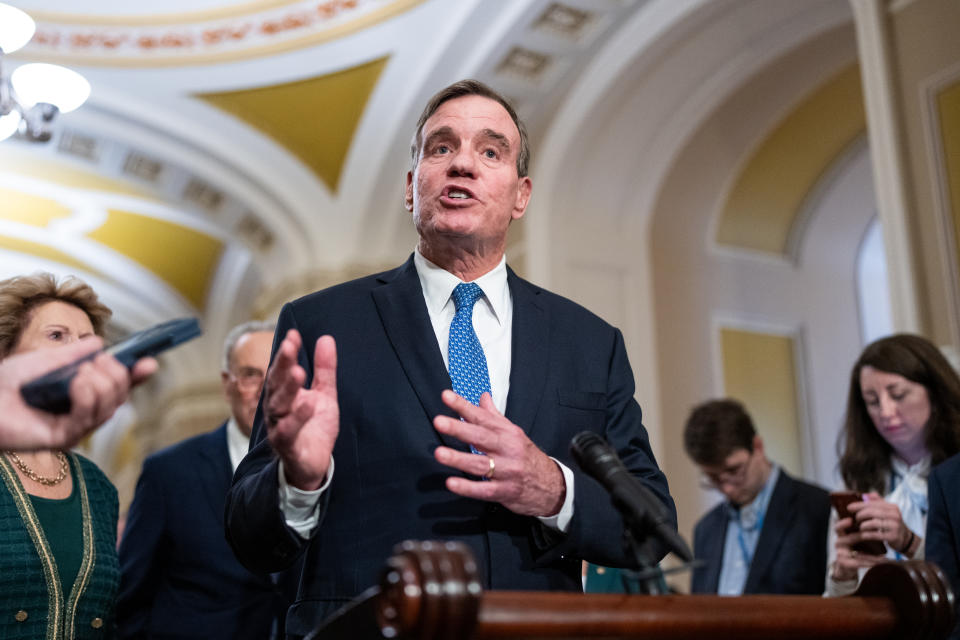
[(762, 505), (747, 554)]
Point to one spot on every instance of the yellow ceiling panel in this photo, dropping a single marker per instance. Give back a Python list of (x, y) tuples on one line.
[(769, 192), (314, 119), (185, 258), (27, 208)]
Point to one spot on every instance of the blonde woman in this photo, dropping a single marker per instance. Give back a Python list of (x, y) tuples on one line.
[(58, 511)]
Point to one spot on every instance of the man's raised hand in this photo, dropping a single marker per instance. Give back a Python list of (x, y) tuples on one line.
[(303, 423)]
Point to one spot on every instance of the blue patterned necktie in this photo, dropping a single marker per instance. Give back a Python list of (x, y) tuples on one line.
[(468, 365)]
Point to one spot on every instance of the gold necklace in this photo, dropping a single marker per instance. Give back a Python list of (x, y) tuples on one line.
[(36, 477)]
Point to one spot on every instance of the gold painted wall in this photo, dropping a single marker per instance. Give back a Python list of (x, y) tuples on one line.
[(759, 370), (773, 184)]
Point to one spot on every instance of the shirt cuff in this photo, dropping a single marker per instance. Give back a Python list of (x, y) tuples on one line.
[(299, 507), (561, 520), (840, 587)]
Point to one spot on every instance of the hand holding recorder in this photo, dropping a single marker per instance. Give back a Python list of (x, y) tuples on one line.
[(51, 392), (100, 385)]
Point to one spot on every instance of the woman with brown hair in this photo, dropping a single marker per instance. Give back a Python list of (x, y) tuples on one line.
[(58, 511), (903, 417)]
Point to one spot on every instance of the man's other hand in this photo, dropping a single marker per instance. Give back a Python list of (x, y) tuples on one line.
[(524, 479)]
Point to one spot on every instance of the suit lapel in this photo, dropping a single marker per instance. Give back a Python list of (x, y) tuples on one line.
[(529, 353), (403, 313), (713, 552), (215, 469), (775, 524)]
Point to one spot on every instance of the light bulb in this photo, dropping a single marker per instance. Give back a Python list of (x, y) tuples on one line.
[(16, 28), (49, 83)]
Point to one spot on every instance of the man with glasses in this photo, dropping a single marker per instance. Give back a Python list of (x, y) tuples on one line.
[(179, 577), (770, 534)]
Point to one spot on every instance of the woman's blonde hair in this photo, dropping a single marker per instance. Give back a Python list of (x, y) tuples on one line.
[(19, 296)]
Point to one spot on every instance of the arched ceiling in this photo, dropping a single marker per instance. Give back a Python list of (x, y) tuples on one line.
[(235, 154)]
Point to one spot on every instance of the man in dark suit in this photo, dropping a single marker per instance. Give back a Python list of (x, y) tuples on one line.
[(943, 524), (179, 577), (770, 536), (360, 381)]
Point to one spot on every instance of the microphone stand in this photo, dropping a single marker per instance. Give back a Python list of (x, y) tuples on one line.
[(647, 579)]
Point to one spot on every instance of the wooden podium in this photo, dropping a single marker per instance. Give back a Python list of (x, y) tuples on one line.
[(430, 591)]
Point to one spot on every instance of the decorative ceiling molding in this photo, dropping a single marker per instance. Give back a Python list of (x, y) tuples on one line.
[(62, 212), (205, 37), (112, 165), (564, 20), (537, 60), (152, 17)]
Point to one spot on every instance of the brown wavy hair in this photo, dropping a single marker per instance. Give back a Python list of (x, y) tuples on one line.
[(19, 297), (864, 454)]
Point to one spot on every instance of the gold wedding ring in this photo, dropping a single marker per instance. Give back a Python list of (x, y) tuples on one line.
[(489, 474)]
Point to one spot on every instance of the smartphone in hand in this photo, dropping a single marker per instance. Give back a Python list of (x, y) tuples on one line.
[(51, 392), (841, 502)]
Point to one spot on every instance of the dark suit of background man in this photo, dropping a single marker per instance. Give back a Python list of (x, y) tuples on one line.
[(179, 577), (770, 536), (360, 371), (943, 524)]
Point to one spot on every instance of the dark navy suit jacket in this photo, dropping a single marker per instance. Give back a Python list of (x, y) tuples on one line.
[(569, 372), (943, 523), (179, 577), (791, 554)]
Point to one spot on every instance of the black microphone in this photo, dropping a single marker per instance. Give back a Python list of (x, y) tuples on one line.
[(640, 508)]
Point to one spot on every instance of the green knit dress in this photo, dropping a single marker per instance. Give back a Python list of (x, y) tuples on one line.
[(58, 570)]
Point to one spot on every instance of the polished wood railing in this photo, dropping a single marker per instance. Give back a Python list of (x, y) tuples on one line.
[(430, 591)]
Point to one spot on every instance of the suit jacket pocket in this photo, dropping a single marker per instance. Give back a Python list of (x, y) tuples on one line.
[(587, 400)]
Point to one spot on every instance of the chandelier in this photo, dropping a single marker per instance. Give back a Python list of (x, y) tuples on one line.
[(33, 95)]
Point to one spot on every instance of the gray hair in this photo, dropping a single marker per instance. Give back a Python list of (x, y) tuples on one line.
[(254, 326)]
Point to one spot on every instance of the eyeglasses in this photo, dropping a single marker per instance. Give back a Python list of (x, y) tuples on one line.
[(248, 378), (733, 474)]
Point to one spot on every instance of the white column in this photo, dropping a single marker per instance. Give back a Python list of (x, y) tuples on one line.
[(887, 153)]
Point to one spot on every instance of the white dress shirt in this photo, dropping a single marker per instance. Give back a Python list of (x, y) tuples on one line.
[(493, 324), (237, 443)]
